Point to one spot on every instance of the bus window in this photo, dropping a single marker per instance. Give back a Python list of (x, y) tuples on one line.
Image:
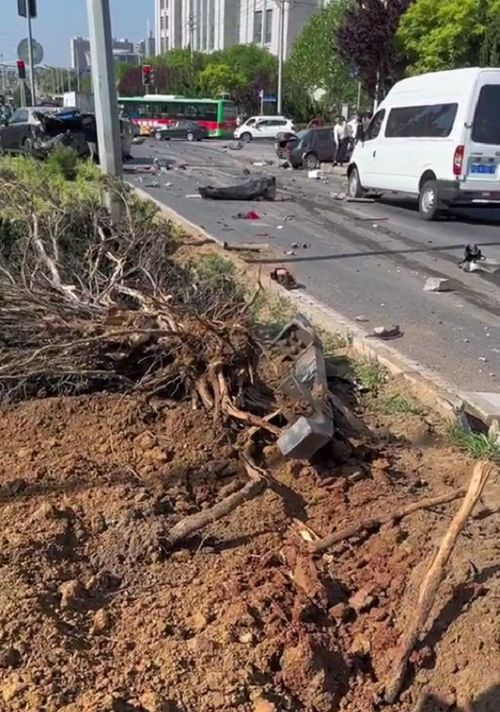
[(229, 111)]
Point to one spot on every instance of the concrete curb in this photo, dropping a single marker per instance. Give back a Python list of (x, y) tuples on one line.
[(430, 388)]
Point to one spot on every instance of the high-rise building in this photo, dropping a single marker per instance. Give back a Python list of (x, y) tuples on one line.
[(260, 22), (168, 25), (146, 48), (80, 51), (210, 25)]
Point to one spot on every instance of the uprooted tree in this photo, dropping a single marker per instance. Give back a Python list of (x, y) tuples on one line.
[(86, 305)]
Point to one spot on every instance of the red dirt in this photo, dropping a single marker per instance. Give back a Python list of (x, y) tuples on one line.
[(95, 615)]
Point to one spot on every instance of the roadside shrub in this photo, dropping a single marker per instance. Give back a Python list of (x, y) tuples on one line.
[(64, 160)]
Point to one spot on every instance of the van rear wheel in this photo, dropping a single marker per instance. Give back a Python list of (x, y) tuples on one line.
[(428, 201)]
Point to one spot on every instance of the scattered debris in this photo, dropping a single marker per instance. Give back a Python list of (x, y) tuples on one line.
[(289, 252), (362, 318), (316, 174), (262, 164), (246, 247), (153, 184), (285, 164), (192, 195), (251, 215), (252, 189), (280, 227), (337, 196), (387, 332), (485, 265), (472, 253), (138, 140), (284, 278), (306, 385), (438, 284), (294, 245), (362, 218), (235, 145), (360, 200)]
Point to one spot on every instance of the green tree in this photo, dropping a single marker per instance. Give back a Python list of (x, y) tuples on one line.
[(446, 34), (217, 79), (315, 62)]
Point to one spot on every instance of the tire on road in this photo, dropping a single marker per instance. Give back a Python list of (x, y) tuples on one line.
[(246, 137), (310, 161), (158, 136), (354, 187), (428, 201), (190, 136)]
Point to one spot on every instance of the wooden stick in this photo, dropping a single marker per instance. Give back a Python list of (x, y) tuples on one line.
[(195, 522), (375, 523), (433, 578)]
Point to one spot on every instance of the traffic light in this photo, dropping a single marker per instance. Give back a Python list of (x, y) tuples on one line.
[(146, 75), (21, 69), (24, 5)]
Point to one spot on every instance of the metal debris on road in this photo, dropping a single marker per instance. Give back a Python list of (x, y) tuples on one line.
[(235, 145), (283, 277), (362, 318), (280, 227), (387, 332), (192, 195), (263, 188), (316, 174), (289, 252), (438, 284)]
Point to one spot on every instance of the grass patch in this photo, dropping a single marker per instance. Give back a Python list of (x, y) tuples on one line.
[(369, 375), (478, 445), (401, 404)]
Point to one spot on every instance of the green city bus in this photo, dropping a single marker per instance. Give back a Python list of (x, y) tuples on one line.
[(152, 111)]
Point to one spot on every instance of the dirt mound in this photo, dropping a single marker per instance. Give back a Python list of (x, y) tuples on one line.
[(96, 616)]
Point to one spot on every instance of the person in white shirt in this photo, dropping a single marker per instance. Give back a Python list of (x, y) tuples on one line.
[(341, 139)]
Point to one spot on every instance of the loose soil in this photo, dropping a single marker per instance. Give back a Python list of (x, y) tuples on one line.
[(97, 615)]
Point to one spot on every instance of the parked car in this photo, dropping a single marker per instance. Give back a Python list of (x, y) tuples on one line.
[(263, 127), (435, 137), (310, 147), (189, 130)]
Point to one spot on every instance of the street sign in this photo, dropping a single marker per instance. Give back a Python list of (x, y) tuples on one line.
[(24, 5), (23, 51)]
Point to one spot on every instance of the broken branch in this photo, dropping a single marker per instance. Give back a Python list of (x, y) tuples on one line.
[(433, 578), (194, 522), (373, 524)]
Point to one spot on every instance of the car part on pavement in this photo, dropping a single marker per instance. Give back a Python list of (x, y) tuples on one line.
[(252, 189), (283, 277)]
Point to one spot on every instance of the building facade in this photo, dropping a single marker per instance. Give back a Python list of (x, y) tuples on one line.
[(211, 25), (260, 22), (80, 52), (168, 25)]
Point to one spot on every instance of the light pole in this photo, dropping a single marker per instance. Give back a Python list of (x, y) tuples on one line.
[(281, 54), (105, 97), (30, 54)]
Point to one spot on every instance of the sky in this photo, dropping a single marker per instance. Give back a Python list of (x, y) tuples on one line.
[(60, 20)]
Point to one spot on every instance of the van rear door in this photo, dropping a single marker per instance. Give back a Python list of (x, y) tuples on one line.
[(481, 167)]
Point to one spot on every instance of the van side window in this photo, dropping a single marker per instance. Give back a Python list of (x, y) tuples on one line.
[(428, 121), (375, 125), (486, 126)]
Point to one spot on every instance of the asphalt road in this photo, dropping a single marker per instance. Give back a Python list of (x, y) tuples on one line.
[(363, 260)]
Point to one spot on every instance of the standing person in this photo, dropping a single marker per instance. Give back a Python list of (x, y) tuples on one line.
[(341, 138), (90, 132)]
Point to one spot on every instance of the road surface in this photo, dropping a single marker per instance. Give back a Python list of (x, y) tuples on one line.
[(363, 260)]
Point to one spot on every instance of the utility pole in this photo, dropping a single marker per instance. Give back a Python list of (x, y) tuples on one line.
[(281, 54), (105, 97), (191, 28), (30, 54)]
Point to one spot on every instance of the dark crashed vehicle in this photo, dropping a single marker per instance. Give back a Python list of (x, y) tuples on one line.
[(188, 130), (38, 130)]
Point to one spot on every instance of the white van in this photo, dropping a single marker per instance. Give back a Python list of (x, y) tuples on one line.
[(435, 137), (263, 127)]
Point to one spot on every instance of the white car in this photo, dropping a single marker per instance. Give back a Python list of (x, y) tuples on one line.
[(435, 137), (263, 127)]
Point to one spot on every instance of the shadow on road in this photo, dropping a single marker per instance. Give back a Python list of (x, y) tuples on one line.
[(488, 701)]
